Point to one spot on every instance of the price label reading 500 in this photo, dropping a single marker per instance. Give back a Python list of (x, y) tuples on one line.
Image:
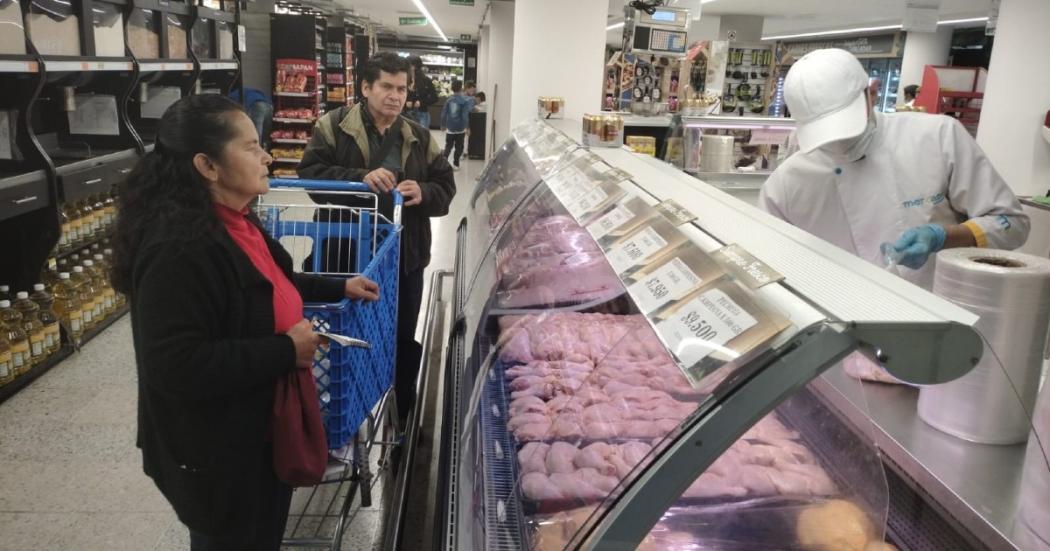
[(700, 327)]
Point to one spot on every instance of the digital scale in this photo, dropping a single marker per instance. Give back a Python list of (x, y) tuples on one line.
[(661, 33)]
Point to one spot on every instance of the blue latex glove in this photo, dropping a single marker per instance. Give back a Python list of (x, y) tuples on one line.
[(917, 244)]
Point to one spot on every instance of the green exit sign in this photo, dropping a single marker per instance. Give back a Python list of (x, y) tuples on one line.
[(410, 21), (461, 2), (465, 37)]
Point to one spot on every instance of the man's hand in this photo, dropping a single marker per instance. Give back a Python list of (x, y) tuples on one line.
[(917, 244), (381, 180), (411, 192), (362, 288)]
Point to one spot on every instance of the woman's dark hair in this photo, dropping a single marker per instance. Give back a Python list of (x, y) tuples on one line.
[(911, 91), (164, 190), (479, 97), (386, 62)]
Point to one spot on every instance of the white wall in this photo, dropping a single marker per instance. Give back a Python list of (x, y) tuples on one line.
[(500, 78), (920, 50), (1017, 97), (748, 27), (483, 59), (560, 55), (704, 29)]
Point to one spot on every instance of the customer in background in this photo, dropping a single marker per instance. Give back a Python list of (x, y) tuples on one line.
[(455, 119), (423, 94), (257, 104), (217, 319), (470, 89), (918, 183), (911, 91), (479, 102), (371, 143)]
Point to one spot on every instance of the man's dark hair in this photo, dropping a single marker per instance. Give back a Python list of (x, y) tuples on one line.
[(480, 96), (385, 62), (911, 91), (457, 86), (470, 84)]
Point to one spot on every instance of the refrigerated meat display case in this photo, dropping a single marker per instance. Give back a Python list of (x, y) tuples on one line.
[(634, 363)]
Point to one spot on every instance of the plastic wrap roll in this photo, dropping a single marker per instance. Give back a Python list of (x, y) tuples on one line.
[(1010, 292), (1032, 526), (716, 154)]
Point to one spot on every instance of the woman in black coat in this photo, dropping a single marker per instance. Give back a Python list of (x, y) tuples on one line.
[(204, 312)]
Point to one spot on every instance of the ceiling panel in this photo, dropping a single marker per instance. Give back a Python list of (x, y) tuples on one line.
[(453, 20)]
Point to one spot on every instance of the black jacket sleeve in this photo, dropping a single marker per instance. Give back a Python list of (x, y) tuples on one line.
[(320, 162), (181, 304), (315, 288), (440, 186)]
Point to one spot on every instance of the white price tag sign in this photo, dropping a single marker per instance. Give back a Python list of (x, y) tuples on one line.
[(568, 178), (586, 203), (636, 250), (606, 224), (704, 325), (669, 282)]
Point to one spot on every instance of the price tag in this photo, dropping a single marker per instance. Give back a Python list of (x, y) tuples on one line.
[(668, 283), (746, 268), (636, 250), (606, 224), (769, 137), (675, 213), (587, 203), (568, 178), (703, 325)]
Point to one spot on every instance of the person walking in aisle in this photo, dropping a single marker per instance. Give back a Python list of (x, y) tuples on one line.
[(371, 143), (918, 183), (217, 320), (455, 119), (423, 94)]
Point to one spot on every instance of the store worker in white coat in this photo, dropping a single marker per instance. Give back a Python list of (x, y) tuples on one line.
[(917, 182)]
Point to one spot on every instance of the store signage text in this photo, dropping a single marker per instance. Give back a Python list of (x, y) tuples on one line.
[(412, 21)]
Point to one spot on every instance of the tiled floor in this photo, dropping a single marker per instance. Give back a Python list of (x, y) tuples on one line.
[(70, 475)]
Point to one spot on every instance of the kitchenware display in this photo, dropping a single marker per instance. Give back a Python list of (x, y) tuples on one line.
[(758, 103), (729, 101)]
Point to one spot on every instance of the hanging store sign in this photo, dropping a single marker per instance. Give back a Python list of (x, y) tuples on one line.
[(883, 45), (413, 21), (468, 3)]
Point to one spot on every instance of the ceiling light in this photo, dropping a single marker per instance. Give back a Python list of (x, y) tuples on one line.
[(859, 30), (614, 26), (423, 9), (961, 21)]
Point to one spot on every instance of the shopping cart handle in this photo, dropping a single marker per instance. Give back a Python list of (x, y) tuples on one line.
[(328, 185)]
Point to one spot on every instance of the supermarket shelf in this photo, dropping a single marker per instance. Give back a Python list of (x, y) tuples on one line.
[(12, 388), (290, 140), (158, 66), (218, 65), (460, 65), (72, 65), (81, 246), (296, 94), (287, 160), (64, 352), (294, 121), (19, 64)]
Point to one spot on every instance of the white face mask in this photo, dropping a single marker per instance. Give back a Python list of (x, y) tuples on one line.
[(851, 150)]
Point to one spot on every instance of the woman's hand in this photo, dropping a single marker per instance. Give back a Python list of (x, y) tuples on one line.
[(306, 343), (362, 288)]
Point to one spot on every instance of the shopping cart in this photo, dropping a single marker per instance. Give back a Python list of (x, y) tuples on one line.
[(355, 371)]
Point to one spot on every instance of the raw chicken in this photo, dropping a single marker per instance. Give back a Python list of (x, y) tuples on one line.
[(532, 457), (538, 487), (560, 458)]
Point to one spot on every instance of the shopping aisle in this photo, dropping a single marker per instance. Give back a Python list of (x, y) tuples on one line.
[(70, 475)]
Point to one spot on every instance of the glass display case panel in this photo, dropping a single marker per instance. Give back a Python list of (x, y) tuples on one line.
[(798, 479)]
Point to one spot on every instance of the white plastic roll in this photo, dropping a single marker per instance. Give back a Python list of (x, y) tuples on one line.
[(1010, 292), (718, 145), (716, 154), (1032, 524)]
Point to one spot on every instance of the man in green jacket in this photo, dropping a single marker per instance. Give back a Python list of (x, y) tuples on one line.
[(372, 143)]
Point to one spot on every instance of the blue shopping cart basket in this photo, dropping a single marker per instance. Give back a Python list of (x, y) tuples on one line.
[(351, 380)]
